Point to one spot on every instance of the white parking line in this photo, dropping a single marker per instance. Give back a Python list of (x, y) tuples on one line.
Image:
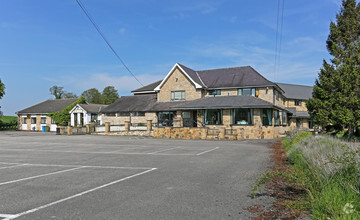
[(78, 165), (42, 175), (204, 152), (76, 195), (91, 152), (18, 165), (159, 151), (6, 216)]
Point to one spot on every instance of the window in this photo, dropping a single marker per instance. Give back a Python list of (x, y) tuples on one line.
[(267, 117), (110, 114), (94, 117), (276, 117), (123, 114), (277, 95), (138, 114), (248, 91), (213, 117), (178, 95), (284, 118), (215, 92), (33, 120), (43, 120), (165, 118), (24, 120), (297, 102), (242, 116), (52, 121)]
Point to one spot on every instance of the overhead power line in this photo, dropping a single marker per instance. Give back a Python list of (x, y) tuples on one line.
[(106, 41), (280, 19)]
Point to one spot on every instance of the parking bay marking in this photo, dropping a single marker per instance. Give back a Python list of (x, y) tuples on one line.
[(77, 195)]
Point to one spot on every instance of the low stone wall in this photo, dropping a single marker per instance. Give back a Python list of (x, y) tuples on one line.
[(206, 133), (129, 133)]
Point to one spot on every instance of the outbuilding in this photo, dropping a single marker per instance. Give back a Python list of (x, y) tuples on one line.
[(83, 114)]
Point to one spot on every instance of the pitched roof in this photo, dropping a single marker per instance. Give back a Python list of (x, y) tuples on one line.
[(225, 102), (48, 106), (233, 77), (141, 103), (193, 74), (93, 108), (296, 91), (147, 88), (298, 114)]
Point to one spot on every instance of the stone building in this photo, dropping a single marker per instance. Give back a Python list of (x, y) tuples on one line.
[(36, 116), (237, 98)]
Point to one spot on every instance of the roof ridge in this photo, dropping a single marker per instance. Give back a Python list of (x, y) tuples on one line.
[(224, 68), (293, 84)]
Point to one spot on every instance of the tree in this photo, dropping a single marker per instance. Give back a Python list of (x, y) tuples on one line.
[(92, 96), (57, 91), (336, 94), (63, 117), (2, 89), (109, 95)]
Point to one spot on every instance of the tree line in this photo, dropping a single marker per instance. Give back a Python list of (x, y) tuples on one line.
[(106, 97)]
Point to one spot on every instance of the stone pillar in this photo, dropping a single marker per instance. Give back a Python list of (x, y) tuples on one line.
[(107, 127), (149, 125), (127, 126), (88, 129), (69, 130), (178, 122), (38, 122), (28, 122), (221, 133)]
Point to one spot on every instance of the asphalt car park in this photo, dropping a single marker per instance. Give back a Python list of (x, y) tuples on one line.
[(48, 176)]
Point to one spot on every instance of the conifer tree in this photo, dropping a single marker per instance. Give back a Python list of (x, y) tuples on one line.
[(336, 94)]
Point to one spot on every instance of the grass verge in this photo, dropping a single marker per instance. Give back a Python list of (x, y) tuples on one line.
[(326, 174)]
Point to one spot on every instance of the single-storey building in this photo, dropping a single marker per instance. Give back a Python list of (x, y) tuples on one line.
[(83, 114), (36, 116)]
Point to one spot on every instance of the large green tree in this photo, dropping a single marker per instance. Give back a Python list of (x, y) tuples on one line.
[(109, 95), (336, 95), (59, 93), (92, 96)]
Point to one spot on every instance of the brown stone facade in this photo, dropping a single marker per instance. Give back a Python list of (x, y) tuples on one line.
[(120, 120), (177, 81)]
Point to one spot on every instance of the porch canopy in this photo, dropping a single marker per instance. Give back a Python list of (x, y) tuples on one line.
[(227, 102)]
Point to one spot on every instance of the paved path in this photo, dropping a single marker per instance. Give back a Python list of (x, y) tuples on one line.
[(48, 176)]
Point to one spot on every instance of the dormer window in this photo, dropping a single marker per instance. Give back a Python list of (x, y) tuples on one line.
[(297, 102), (215, 92), (248, 91), (177, 95)]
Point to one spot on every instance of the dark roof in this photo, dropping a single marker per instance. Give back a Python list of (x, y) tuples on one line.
[(147, 88), (48, 106), (138, 103), (93, 108), (233, 77), (296, 91), (193, 74), (224, 102), (298, 114)]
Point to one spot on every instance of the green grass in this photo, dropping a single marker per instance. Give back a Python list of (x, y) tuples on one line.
[(329, 172), (8, 119)]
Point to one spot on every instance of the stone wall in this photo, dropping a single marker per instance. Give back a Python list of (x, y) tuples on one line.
[(291, 104), (177, 81)]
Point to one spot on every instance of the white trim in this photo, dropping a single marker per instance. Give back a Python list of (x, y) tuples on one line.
[(77, 105), (171, 71), (148, 91)]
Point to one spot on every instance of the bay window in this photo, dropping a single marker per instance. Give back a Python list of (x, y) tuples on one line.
[(213, 116), (242, 116), (267, 117)]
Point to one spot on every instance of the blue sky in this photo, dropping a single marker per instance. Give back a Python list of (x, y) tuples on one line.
[(48, 42)]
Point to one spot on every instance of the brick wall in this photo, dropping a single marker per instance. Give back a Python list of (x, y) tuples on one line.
[(120, 120)]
